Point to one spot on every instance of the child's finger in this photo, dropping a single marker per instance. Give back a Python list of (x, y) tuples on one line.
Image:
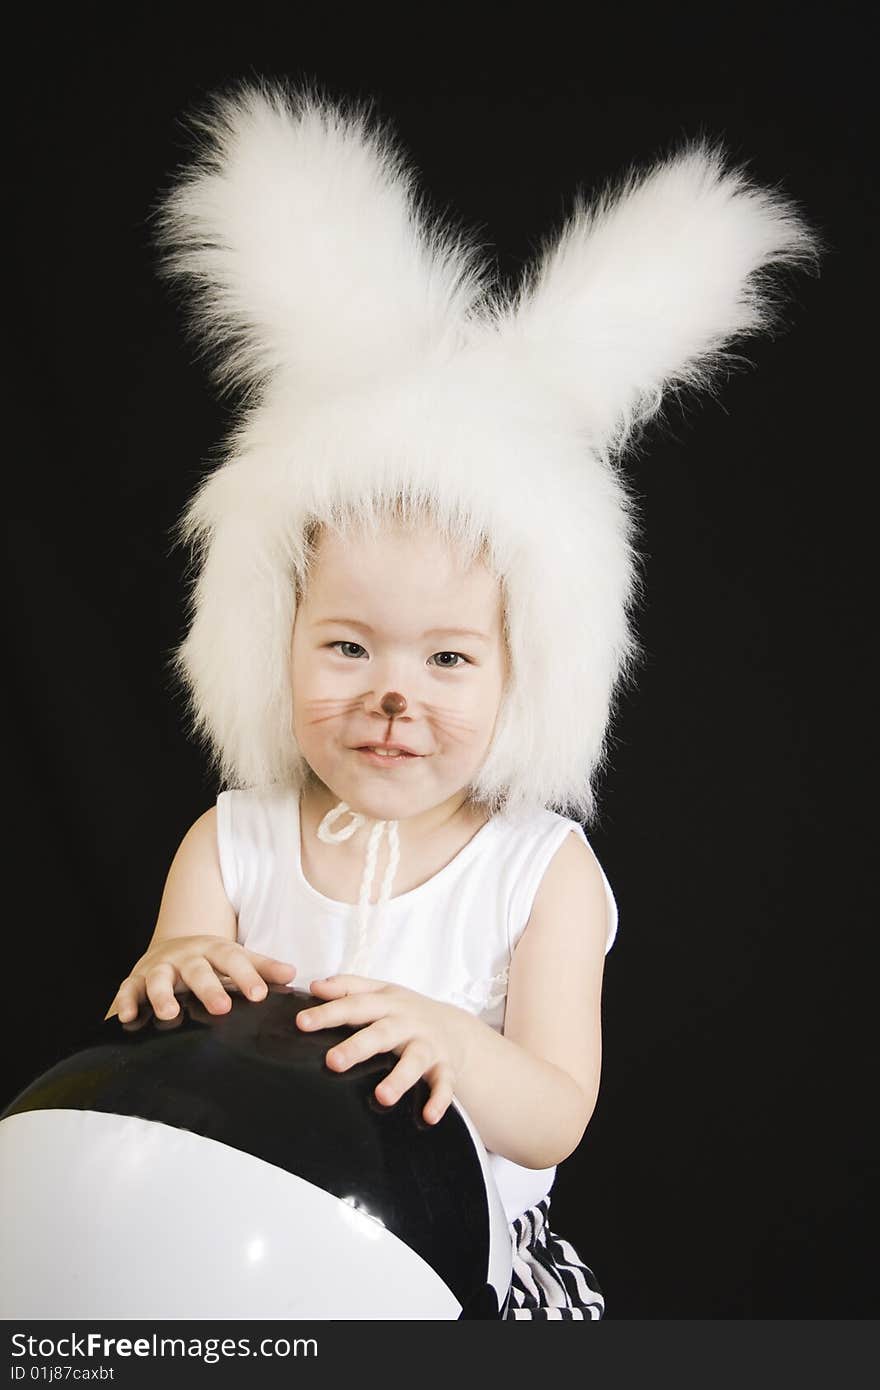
[(407, 1072), (336, 985), (335, 1013), (270, 965), (441, 1095), (247, 968), (159, 980), (202, 980), (367, 1042), (128, 999)]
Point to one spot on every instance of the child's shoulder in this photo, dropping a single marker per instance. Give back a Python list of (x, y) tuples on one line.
[(271, 794), (538, 822), (259, 816), (254, 802), (560, 864)]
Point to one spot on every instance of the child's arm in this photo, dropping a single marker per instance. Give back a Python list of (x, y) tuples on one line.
[(194, 940), (532, 1091)]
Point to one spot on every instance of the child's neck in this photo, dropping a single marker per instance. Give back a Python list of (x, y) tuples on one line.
[(428, 842), (450, 818)]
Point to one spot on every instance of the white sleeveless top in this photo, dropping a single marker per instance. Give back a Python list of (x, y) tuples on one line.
[(451, 938)]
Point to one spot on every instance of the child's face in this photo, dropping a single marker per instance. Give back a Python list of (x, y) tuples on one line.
[(398, 595)]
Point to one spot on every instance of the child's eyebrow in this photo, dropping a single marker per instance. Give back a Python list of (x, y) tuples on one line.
[(433, 632)]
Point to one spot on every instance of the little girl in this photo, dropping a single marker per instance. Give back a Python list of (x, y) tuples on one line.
[(411, 613)]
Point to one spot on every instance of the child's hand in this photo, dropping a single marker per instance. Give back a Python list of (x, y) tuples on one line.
[(427, 1035), (190, 960)]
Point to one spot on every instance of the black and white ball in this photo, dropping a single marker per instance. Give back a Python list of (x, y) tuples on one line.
[(213, 1166)]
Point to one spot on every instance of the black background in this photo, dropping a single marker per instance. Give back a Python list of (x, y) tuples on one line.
[(725, 1172)]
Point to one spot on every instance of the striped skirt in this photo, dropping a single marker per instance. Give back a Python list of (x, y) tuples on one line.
[(550, 1280)]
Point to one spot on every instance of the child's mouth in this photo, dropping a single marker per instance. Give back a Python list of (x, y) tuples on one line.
[(385, 759)]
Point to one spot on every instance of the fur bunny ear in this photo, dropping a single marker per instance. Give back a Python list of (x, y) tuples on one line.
[(642, 291), (298, 229)]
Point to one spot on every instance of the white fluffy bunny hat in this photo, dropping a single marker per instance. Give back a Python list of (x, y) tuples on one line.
[(378, 365)]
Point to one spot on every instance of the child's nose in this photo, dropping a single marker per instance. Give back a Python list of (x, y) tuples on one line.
[(393, 703)]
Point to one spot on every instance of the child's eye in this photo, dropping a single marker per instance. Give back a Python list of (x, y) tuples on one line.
[(444, 666), (346, 644)]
